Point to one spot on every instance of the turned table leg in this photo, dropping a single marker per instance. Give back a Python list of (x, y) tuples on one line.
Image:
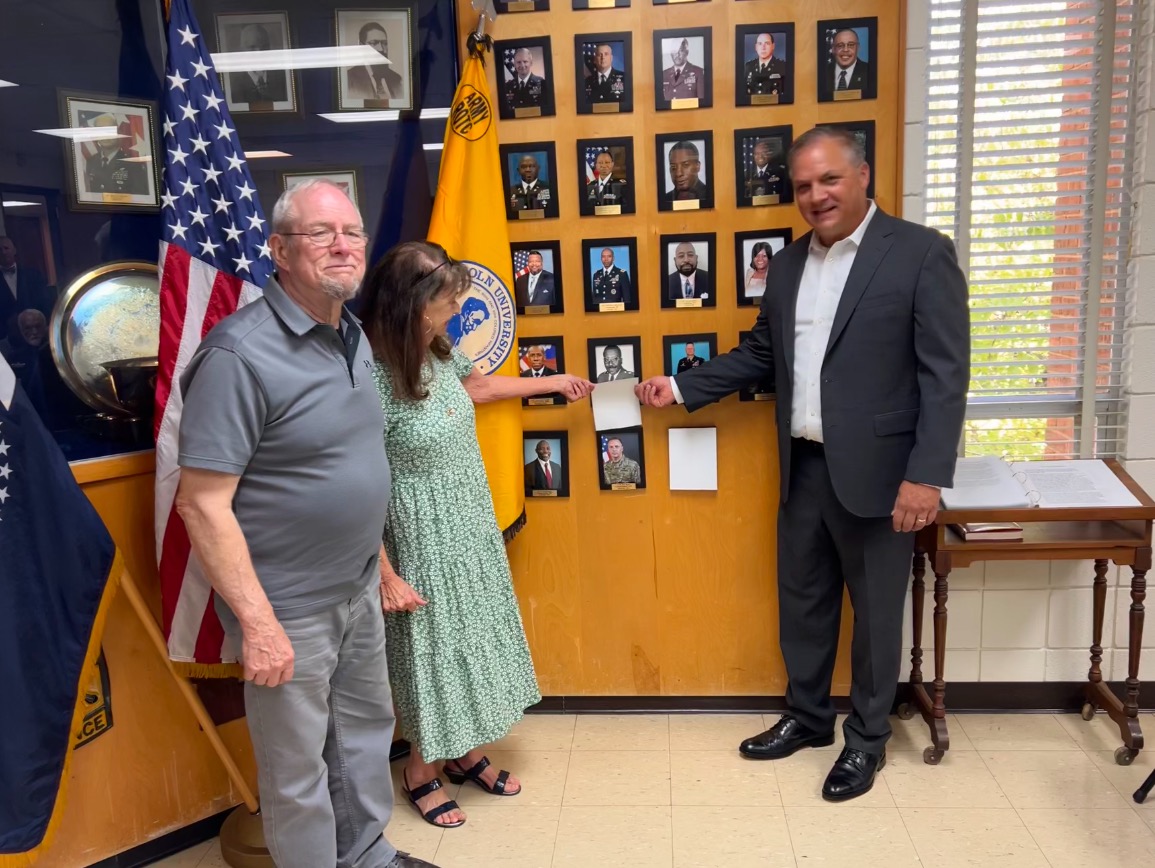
[(1135, 641), (939, 736), (1099, 608), (917, 600)]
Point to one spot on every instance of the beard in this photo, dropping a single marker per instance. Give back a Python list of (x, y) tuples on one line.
[(340, 290)]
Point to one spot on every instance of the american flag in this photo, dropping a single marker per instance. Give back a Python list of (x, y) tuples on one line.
[(591, 160), (507, 60), (520, 263), (588, 51), (605, 448), (214, 257)]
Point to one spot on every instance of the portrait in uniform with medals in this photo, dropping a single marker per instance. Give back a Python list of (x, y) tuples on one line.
[(760, 165), (610, 271), (604, 73), (764, 68), (525, 78), (682, 69), (847, 49), (529, 179), (112, 165), (684, 352), (605, 173)]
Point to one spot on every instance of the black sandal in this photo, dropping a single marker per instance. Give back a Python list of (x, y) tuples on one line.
[(432, 814), (457, 776)]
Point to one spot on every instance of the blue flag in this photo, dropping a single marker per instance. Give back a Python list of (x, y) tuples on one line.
[(55, 561)]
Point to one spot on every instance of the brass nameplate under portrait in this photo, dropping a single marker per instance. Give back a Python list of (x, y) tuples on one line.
[(262, 106), (519, 6), (377, 103), (681, 1), (764, 99), (532, 111), (686, 204), (535, 214), (611, 307), (536, 309), (602, 4), (623, 486), (116, 198), (763, 396), (538, 492), (840, 95), (607, 210), (687, 103), (605, 108), (765, 200), (688, 302), (539, 402)]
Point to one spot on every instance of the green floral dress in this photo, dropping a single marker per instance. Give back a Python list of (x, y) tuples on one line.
[(460, 666)]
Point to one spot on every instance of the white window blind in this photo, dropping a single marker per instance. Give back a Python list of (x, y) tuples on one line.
[(1029, 148)]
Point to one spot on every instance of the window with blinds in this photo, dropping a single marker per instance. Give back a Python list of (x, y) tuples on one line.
[(1029, 148)]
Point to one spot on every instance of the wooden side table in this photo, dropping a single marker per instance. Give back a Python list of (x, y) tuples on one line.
[(1118, 534)]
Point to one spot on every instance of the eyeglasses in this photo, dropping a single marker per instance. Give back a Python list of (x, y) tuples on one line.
[(328, 237), (842, 46)]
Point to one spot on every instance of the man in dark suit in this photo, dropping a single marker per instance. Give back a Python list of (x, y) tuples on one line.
[(848, 72), (685, 166), (604, 83), (526, 89), (535, 287), (864, 329), (378, 81), (604, 188), (687, 281), (765, 178), (543, 474), (535, 357), (531, 193), (610, 283), (257, 85), (765, 74), (21, 289)]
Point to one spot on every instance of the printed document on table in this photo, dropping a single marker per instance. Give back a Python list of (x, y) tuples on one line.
[(615, 405), (985, 482), (1088, 482)]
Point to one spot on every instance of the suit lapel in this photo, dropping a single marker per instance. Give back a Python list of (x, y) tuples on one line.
[(875, 243), (795, 264)]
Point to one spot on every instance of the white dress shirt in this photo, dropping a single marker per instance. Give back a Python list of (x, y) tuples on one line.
[(532, 285), (820, 290)]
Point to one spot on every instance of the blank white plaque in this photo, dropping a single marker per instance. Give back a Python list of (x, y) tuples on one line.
[(693, 459)]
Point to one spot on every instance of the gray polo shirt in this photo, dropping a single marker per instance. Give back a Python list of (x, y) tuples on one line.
[(288, 405)]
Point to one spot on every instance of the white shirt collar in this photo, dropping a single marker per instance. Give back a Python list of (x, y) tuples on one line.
[(854, 238)]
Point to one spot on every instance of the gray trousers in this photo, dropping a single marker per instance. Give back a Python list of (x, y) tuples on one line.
[(322, 742), (821, 546)]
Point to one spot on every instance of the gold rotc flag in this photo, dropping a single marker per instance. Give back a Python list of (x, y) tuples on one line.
[(469, 222)]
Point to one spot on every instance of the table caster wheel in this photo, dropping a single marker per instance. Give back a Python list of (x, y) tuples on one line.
[(904, 711), (1124, 756), (932, 756), (1088, 712)]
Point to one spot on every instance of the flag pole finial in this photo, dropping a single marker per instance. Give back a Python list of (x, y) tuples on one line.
[(480, 42)]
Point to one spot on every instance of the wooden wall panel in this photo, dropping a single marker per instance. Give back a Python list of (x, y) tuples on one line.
[(660, 592)]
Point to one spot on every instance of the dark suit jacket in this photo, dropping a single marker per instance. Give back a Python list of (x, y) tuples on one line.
[(245, 89), (859, 80), (895, 375), (545, 372), (698, 191), (543, 293), (358, 85), (703, 284), (32, 291), (535, 476)]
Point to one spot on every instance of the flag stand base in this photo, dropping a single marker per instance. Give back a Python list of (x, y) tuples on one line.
[(243, 841)]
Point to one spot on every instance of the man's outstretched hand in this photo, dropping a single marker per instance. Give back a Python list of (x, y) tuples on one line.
[(655, 392)]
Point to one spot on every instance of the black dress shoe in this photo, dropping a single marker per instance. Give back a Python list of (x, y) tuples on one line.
[(852, 775), (783, 739), (404, 860)]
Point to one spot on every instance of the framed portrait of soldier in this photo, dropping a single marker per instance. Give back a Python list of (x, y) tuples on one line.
[(344, 179), (764, 64), (113, 162), (683, 69), (864, 132), (760, 391), (525, 78), (685, 352), (530, 180), (611, 269), (760, 166), (752, 254), (604, 74), (605, 176), (613, 359), (537, 288), (385, 79), (546, 456), (686, 263), (621, 460), (256, 90), (521, 5), (541, 358), (847, 59), (685, 169)]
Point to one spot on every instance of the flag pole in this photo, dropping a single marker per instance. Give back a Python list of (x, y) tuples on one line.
[(140, 607)]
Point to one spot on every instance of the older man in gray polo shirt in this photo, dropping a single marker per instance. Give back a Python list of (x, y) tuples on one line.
[(284, 489)]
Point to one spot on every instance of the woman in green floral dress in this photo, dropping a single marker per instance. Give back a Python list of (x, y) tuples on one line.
[(458, 659)]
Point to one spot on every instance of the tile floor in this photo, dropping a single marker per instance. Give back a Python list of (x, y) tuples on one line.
[(657, 791)]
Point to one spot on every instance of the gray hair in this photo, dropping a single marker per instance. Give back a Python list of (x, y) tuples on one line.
[(285, 212), (854, 148)]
